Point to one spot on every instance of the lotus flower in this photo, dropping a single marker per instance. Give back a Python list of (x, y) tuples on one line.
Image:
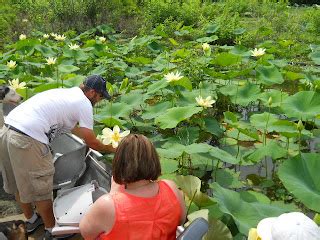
[(205, 102), (206, 47), (253, 234), (16, 85), (102, 39), (51, 60), (73, 46), (11, 64), (46, 36), (59, 37), (257, 52), (114, 136), (25, 20), (22, 36), (170, 77)]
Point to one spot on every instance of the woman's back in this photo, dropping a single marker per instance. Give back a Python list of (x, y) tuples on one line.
[(145, 217)]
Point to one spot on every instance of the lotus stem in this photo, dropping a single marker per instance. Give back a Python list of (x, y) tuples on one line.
[(191, 200)]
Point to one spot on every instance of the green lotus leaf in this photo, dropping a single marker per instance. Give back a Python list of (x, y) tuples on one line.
[(155, 110), (98, 70), (227, 59), (74, 81), (263, 120), (217, 229), (45, 87), (139, 60), (212, 126), (169, 153), (171, 117), (198, 148), (269, 75), (191, 185), (184, 82), (67, 68), (271, 149), (78, 54), (315, 56), (223, 155), (114, 110), (111, 121), (208, 39), (157, 86), (277, 97), (300, 175), (134, 98), (245, 214), (212, 28), (227, 178), (46, 51), (185, 135), (302, 105), (242, 95), (168, 165)]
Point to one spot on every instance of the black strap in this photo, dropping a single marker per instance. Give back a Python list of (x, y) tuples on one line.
[(15, 129)]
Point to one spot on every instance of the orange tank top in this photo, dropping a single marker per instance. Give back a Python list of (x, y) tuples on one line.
[(140, 218)]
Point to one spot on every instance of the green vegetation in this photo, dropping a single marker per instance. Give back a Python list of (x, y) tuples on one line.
[(193, 82)]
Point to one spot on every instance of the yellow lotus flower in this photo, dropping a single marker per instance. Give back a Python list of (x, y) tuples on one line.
[(53, 35), (73, 46), (46, 36), (206, 47), (102, 39), (59, 37), (51, 60), (205, 102), (253, 234), (257, 52), (22, 36), (114, 136), (171, 77), (11, 64), (25, 20), (16, 85)]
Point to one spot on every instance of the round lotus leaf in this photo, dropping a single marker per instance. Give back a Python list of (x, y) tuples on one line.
[(300, 175)]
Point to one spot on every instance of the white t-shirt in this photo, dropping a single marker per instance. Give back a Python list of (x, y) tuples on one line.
[(50, 113)]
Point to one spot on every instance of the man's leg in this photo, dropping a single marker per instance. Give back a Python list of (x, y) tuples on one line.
[(46, 212), (25, 207)]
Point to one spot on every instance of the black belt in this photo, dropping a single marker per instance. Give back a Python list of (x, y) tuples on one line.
[(15, 129)]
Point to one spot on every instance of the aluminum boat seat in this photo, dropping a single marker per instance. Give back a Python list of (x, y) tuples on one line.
[(69, 161)]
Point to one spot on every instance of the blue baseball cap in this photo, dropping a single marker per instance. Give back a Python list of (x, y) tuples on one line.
[(98, 84)]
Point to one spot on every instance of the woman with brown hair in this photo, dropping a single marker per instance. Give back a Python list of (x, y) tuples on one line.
[(139, 206)]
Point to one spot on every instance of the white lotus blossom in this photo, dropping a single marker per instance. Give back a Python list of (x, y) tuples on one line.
[(170, 77), (73, 46), (257, 52), (25, 20), (114, 136), (59, 37), (102, 39), (206, 47), (207, 102), (51, 60), (11, 64), (15, 84), (46, 36), (53, 34), (22, 36)]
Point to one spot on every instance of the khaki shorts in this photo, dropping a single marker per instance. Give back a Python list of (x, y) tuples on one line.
[(26, 165)]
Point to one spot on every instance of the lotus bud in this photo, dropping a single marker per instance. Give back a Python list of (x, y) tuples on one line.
[(300, 126), (270, 101)]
